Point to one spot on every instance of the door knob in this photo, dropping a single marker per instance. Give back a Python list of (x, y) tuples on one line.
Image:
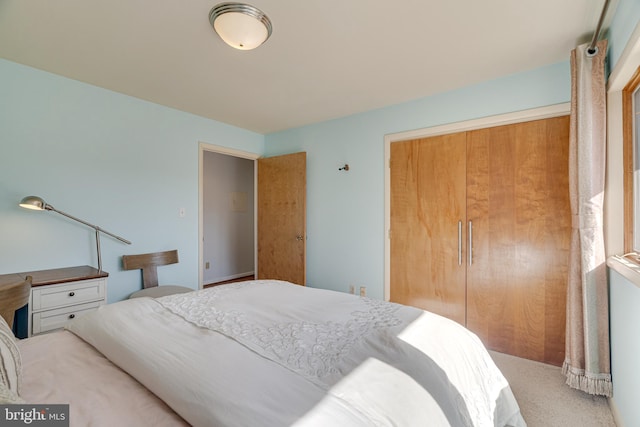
[(299, 238)]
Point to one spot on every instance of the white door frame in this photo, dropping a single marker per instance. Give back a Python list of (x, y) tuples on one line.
[(202, 148), (485, 122)]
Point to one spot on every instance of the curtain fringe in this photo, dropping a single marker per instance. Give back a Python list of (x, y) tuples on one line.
[(596, 384)]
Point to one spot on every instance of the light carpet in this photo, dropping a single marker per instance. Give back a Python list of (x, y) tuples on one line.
[(545, 400)]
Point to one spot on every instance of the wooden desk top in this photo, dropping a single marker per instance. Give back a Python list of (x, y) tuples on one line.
[(55, 275)]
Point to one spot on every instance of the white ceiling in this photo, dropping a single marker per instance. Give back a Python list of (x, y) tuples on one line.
[(325, 58)]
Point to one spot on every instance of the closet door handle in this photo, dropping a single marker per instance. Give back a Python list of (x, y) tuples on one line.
[(459, 242), (470, 242)]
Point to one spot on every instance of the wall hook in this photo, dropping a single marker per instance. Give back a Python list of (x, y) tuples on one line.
[(344, 168)]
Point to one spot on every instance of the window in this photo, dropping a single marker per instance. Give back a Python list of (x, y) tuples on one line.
[(636, 169), (631, 163)]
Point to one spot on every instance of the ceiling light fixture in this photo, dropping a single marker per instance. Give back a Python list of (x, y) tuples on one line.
[(240, 25)]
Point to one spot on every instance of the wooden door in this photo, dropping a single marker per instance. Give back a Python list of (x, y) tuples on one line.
[(518, 204), (427, 209), (282, 218)]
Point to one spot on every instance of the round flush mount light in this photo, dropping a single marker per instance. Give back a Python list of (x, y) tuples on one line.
[(240, 25)]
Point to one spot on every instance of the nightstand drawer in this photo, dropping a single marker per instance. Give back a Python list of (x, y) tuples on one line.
[(49, 297), (49, 320)]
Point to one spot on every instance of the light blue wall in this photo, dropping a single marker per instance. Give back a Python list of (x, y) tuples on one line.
[(625, 345), (622, 25), (345, 210), (624, 297), (119, 162)]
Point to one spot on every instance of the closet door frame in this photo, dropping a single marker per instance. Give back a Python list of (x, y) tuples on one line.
[(485, 122)]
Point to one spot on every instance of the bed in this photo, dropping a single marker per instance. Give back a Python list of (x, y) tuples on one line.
[(265, 353)]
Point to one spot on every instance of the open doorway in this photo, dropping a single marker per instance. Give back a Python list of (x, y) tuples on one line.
[(227, 215)]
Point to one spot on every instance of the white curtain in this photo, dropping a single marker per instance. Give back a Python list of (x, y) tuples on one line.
[(587, 364)]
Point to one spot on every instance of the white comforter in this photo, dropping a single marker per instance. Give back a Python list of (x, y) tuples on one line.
[(269, 353)]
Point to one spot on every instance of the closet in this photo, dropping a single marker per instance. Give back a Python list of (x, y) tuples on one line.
[(480, 232)]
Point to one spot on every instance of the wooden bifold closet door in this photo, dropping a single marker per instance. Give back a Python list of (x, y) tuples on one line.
[(428, 204), (510, 288)]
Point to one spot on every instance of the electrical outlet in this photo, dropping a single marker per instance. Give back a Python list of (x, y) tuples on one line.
[(352, 289), (363, 291), (206, 265)]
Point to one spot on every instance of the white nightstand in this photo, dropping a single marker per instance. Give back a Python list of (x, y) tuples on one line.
[(60, 295)]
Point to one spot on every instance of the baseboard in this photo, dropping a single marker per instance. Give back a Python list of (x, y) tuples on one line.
[(616, 414), (231, 277)]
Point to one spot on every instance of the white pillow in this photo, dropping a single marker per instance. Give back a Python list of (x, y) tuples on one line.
[(10, 361)]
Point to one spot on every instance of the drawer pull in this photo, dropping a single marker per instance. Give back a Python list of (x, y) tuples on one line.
[(71, 316), (72, 294)]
